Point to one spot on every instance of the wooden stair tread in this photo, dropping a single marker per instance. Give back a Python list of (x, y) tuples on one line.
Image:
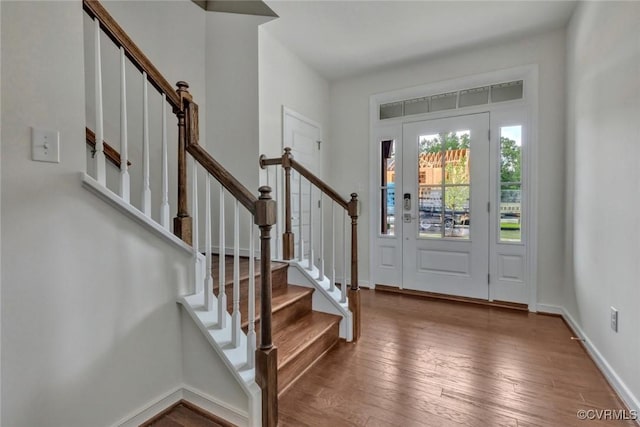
[(244, 269), (301, 335), (295, 337), (280, 298), (289, 295)]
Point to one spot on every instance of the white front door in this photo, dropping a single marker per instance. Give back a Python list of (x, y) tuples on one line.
[(443, 205)]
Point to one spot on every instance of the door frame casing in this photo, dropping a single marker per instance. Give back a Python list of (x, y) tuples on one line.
[(392, 129)]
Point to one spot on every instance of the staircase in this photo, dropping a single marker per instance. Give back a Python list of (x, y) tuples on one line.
[(301, 335), (268, 321)]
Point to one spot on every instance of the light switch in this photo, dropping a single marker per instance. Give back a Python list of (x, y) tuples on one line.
[(45, 145)]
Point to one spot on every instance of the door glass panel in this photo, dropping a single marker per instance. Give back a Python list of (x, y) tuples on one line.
[(430, 160), (387, 187), (430, 212), (510, 184), (456, 155), (456, 218), (443, 169)]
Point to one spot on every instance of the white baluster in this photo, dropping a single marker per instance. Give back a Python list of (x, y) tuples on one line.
[(196, 233), (251, 331), (321, 265), (125, 184), (300, 221), (208, 281), (343, 288), (164, 206), (277, 230), (101, 172), (222, 295), (332, 283), (311, 209), (146, 185), (235, 316)]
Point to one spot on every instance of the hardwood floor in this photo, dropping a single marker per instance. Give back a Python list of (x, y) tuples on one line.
[(423, 362), (184, 414)]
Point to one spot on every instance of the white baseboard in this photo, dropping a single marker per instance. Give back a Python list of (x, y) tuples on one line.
[(216, 407), (550, 309), (208, 403), (151, 409), (618, 385), (632, 401), (365, 284)]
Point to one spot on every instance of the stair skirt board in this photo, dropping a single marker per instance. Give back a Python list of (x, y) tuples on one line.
[(324, 300), (116, 201), (196, 397), (235, 359)]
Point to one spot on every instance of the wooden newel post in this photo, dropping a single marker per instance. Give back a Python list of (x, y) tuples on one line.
[(267, 353), (182, 222), (354, 290), (288, 240)]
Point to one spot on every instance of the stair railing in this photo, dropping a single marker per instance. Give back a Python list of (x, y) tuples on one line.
[(103, 21), (262, 210), (349, 208)]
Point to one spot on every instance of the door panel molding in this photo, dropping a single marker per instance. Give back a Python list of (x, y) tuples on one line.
[(455, 266)]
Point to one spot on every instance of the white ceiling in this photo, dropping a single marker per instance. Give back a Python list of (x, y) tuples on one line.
[(345, 38)]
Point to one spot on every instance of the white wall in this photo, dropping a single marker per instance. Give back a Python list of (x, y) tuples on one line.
[(89, 318), (171, 34), (350, 135), (231, 74), (603, 192), (232, 93), (287, 81)]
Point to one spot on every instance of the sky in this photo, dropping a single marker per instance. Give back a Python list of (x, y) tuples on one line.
[(512, 132)]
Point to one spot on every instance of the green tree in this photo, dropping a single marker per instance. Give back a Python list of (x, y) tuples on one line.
[(510, 155), (450, 141)]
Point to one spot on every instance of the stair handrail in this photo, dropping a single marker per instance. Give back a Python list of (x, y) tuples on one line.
[(288, 163), (111, 153), (262, 209), (117, 34), (106, 23)]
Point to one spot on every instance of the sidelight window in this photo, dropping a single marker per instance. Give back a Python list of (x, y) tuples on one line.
[(510, 219), (387, 187)]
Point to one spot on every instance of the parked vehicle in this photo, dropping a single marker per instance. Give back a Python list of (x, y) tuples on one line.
[(432, 217)]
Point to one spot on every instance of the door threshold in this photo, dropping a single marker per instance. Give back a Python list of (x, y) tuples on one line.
[(453, 298)]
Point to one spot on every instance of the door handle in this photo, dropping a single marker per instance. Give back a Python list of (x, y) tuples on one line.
[(408, 217)]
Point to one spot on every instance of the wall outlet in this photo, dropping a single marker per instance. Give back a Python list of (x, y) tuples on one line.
[(614, 319)]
